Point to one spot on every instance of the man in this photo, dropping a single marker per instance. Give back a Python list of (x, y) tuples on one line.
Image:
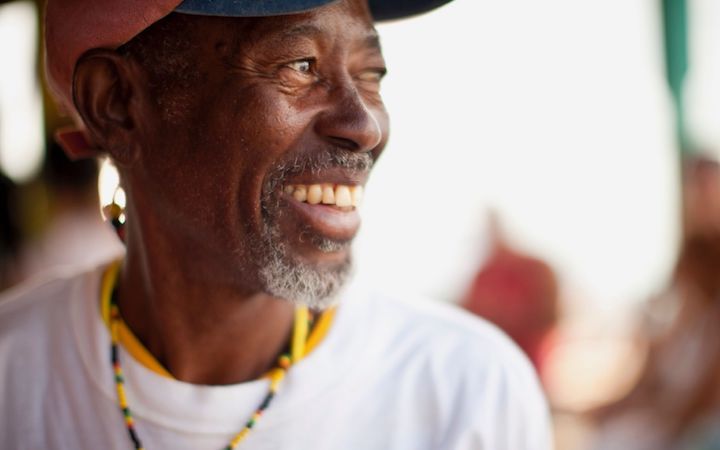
[(243, 143)]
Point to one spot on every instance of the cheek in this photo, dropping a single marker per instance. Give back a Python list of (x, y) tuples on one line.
[(241, 140), (213, 163)]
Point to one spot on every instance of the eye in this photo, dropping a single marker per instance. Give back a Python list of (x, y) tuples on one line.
[(298, 73), (374, 75), (304, 66), (370, 80)]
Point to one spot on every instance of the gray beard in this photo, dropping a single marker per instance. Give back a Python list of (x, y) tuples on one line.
[(299, 282), (284, 276)]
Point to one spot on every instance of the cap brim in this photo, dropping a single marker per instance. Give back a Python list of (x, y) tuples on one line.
[(398, 9), (248, 8), (381, 9)]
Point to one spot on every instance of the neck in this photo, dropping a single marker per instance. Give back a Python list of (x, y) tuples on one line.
[(200, 332)]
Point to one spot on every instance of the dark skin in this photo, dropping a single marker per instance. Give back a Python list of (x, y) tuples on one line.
[(194, 164)]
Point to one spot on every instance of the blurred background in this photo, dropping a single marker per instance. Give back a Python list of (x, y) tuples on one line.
[(553, 167)]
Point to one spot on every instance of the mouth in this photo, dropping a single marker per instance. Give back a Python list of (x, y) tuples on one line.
[(341, 196), (328, 209)]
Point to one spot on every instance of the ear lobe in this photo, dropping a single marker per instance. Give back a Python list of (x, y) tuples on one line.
[(102, 91)]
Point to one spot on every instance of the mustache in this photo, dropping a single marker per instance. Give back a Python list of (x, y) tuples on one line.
[(326, 159)]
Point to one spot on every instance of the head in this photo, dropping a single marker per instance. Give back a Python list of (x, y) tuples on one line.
[(701, 196), (219, 124), (699, 255)]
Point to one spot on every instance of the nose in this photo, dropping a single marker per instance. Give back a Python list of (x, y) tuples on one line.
[(348, 122)]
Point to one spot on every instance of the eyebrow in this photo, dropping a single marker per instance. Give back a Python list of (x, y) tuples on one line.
[(371, 41), (301, 30)]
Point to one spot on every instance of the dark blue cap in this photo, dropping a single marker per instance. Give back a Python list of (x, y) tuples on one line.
[(381, 9)]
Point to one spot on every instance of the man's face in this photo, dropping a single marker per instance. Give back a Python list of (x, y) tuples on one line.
[(253, 164)]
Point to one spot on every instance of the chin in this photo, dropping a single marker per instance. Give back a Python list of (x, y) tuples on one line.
[(317, 286), (297, 263)]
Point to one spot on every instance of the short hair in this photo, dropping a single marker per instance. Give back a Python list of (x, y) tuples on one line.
[(165, 51)]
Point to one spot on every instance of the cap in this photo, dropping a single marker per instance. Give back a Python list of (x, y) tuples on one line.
[(381, 9), (74, 26)]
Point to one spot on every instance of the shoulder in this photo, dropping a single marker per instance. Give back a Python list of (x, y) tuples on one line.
[(35, 311), (445, 331), (40, 364), (483, 386), (40, 292)]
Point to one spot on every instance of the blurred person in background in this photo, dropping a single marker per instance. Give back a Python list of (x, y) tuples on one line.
[(73, 233), (50, 219), (9, 233), (516, 292), (675, 404)]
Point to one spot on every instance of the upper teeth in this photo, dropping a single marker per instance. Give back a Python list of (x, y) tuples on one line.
[(328, 194)]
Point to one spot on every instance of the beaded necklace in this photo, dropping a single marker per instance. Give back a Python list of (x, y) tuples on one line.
[(302, 323)]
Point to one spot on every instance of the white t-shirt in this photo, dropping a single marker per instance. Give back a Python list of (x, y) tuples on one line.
[(389, 375)]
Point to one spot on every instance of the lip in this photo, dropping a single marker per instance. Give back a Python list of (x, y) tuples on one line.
[(327, 221)]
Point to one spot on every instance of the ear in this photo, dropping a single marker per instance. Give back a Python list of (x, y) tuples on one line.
[(104, 84)]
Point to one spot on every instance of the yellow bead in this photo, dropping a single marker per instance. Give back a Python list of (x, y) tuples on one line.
[(241, 435), (284, 362), (112, 211), (121, 397), (276, 380)]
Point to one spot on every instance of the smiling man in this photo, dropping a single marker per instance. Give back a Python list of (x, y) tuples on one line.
[(244, 133)]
